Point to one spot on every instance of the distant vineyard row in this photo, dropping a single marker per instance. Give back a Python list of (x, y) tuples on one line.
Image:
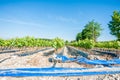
[(88, 44)]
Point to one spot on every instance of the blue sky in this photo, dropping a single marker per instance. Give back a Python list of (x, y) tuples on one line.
[(54, 18)]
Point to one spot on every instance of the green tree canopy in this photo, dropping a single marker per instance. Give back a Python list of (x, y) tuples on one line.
[(114, 24), (91, 31), (79, 36)]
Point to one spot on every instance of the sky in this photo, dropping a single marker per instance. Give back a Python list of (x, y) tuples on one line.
[(54, 18)]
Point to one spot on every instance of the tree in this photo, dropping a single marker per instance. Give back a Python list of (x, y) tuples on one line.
[(79, 36), (66, 42), (91, 31), (114, 24)]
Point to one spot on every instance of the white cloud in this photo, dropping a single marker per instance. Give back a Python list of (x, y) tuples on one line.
[(20, 22), (64, 19)]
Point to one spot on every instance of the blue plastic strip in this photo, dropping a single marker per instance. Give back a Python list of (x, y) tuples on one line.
[(99, 62), (22, 72), (87, 61)]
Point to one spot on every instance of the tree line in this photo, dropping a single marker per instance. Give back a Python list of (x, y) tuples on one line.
[(93, 29)]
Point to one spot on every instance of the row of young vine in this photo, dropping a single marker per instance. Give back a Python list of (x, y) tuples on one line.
[(88, 44), (108, 44), (31, 42), (56, 43)]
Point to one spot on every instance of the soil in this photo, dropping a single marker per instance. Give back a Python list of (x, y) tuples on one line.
[(39, 60)]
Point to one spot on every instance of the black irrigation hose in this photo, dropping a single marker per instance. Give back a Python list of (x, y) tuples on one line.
[(9, 51), (108, 53), (31, 53), (4, 59), (76, 52)]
